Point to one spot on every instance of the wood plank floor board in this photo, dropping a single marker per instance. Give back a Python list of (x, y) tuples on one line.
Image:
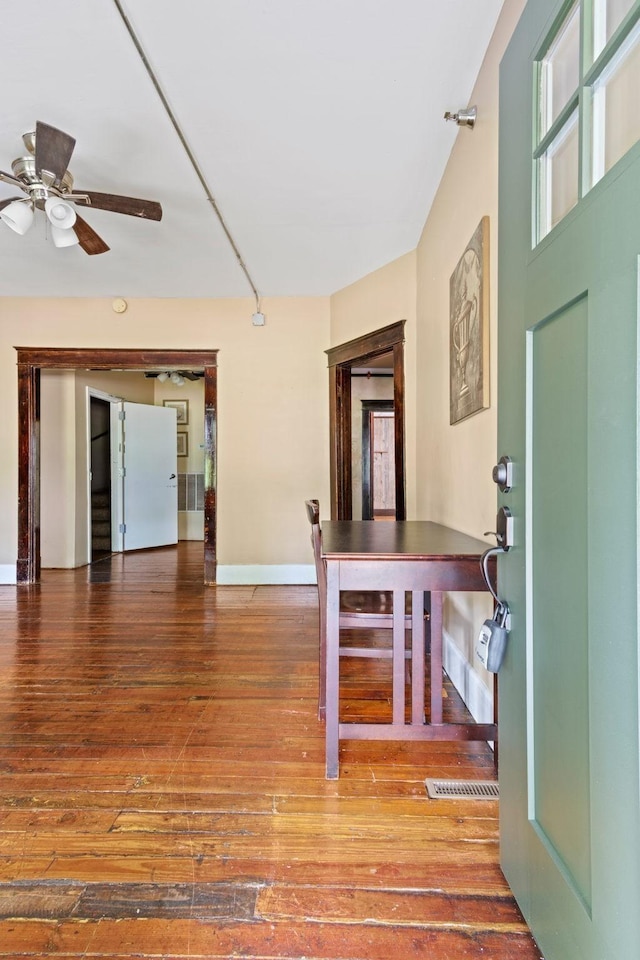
[(405, 907), (194, 939), (483, 878), (162, 789)]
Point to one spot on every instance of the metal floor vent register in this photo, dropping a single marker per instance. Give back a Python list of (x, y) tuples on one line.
[(190, 492), (462, 789)]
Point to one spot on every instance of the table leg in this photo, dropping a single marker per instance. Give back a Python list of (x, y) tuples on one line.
[(436, 657), (332, 652), (417, 657)]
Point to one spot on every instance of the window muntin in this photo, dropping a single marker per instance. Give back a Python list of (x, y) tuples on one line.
[(560, 71), (615, 124), (587, 83), (558, 176), (607, 17)]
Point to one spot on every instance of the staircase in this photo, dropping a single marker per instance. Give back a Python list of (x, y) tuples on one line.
[(100, 523)]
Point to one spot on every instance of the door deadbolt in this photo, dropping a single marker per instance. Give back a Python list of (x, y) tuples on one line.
[(503, 474)]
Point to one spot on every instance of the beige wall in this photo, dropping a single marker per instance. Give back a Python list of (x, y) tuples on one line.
[(58, 469), (448, 467), (272, 407), (454, 463), (383, 297)]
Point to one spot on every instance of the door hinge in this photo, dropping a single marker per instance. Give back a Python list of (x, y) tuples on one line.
[(121, 414), (122, 528)]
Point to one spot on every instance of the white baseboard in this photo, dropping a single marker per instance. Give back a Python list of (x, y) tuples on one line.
[(8, 573), (476, 695), (241, 574), (257, 574)]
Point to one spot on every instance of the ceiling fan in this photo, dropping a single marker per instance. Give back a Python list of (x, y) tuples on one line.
[(44, 177), (176, 377)]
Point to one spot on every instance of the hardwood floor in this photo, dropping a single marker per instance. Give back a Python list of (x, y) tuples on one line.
[(162, 788)]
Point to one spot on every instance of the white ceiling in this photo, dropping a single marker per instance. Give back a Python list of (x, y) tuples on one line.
[(318, 125)]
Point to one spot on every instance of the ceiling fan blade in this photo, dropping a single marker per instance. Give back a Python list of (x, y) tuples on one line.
[(53, 152), (9, 178), (147, 209), (88, 239), (5, 203)]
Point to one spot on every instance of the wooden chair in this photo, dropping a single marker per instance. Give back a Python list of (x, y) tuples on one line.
[(358, 611)]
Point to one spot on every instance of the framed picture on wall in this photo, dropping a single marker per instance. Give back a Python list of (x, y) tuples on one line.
[(469, 328), (181, 407), (183, 443)]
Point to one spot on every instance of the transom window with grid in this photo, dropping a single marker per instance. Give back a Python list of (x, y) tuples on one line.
[(587, 87)]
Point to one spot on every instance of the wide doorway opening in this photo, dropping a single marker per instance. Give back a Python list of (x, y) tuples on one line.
[(31, 362)]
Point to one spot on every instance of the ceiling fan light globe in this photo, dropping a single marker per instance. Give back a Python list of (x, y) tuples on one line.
[(63, 237), (60, 214), (162, 377), (18, 215)]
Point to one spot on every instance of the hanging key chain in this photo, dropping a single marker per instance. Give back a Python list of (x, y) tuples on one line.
[(491, 644)]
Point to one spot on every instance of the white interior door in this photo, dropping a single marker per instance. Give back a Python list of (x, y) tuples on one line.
[(150, 481)]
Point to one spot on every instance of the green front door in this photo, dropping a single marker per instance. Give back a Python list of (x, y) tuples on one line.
[(569, 255)]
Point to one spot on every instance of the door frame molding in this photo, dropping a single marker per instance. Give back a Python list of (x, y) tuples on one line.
[(341, 359), (31, 361)]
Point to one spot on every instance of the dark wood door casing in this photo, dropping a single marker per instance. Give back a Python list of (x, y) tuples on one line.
[(31, 361), (341, 359)]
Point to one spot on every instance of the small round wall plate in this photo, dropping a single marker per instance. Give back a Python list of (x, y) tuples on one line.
[(119, 305)]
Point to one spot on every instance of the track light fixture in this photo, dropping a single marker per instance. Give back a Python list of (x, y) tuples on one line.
[(464, 118)]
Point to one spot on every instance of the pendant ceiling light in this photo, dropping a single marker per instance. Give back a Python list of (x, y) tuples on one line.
[(63, 238), (60, 214), (18, 214)]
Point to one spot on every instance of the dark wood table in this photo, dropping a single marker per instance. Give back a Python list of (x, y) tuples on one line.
[(410, 555)]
